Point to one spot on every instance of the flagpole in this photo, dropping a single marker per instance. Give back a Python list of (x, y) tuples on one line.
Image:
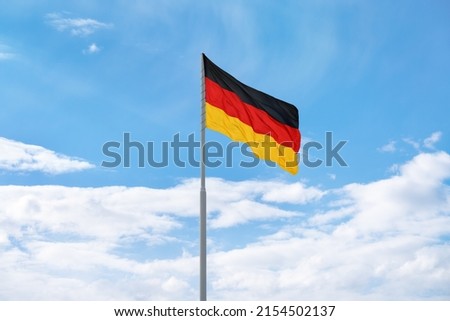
[(202, 193)]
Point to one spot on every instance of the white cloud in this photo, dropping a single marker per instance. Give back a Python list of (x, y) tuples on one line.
[(6, 56), (69, 271), (76, 26), (245, 210), (413, 143), (388, 148), (91, 49), (128, 211), (5, 53), (296, 193), (17, 156), (117, 211), (418, 145), (386, 239), (408, 201), (242, 202), (430, 141), (75, 239)]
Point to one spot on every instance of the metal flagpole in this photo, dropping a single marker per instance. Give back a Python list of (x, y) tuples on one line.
[(202, 193)]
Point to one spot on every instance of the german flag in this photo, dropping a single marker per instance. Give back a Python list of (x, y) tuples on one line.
[(267, 124)]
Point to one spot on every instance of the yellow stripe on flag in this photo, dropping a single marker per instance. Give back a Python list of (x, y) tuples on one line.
[(263, 146)]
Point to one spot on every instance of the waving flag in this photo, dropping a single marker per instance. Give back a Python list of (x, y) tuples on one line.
[(267, 124)]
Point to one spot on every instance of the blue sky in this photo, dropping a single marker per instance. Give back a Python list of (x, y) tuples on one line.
[(77, 74)]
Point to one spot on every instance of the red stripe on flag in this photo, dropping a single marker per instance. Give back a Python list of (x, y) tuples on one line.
[(259, 120)]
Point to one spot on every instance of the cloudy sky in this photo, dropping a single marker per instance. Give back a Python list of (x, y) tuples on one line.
[(75, 75)]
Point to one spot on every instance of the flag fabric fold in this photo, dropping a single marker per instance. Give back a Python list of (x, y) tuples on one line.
[(268, 125)]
